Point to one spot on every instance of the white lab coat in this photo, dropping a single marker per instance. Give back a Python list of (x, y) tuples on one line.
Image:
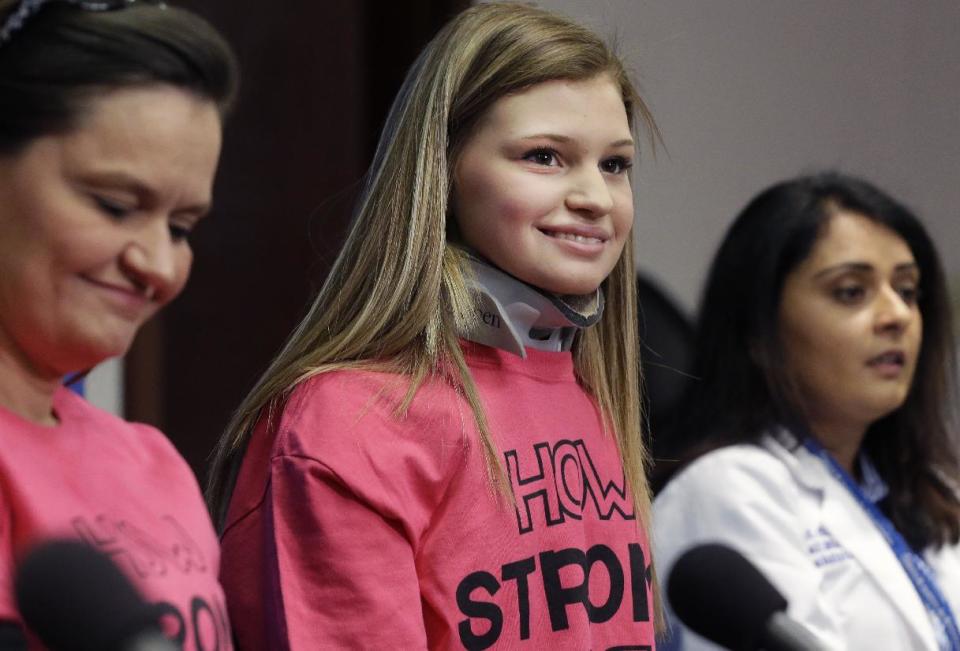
[(779, 506)]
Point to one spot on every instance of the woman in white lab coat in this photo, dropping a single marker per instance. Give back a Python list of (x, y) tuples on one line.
[(817, 440)]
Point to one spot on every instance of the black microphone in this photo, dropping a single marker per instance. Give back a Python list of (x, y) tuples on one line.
[(74, 598), (720, 595)]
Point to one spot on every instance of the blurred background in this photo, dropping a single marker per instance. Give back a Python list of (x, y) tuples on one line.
[(746, 92)]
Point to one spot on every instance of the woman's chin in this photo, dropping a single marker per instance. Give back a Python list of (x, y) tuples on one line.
[(84, 358)]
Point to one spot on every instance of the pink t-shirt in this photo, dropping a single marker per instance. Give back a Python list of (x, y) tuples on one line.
[(125, 489), (351, 528)]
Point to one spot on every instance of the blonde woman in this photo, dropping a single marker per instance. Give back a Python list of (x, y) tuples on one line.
[(447, 452)]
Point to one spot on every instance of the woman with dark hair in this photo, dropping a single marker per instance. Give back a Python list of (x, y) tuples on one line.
[(817, 441), (110, 130)]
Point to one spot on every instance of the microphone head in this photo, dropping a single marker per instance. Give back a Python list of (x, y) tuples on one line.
[(74, 598), (720, 595)]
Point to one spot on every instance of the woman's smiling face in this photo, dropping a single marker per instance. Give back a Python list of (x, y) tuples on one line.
[(93, 225), (542, 187)]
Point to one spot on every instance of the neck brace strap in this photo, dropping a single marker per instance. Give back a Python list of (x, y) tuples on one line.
[(514, 316)]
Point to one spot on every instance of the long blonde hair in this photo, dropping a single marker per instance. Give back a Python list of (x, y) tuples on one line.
[(396, 296)]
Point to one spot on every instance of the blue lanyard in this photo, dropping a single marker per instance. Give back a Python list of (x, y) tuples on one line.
[(913, 564)]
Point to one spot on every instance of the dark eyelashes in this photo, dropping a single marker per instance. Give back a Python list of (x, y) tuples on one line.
[(179, 233), (112, 208), (541, 155), (910, 294), (847, 294), (621, 163), (546, 156), (116, 210)]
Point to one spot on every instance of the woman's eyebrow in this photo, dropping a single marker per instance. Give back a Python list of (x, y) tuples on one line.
[(623, 142), (863, 267), (547, 136), (123, 180)]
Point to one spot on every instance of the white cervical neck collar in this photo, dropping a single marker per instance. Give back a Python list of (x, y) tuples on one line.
[(514, 316)]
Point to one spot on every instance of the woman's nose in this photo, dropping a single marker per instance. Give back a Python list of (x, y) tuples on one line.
[(893, 312), (151, 258), (589, 193)]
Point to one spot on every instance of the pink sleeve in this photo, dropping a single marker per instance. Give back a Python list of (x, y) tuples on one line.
[(8, 610), (342, 569)]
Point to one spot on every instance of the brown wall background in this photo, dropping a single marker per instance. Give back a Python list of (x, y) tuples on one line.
[(317, 80)]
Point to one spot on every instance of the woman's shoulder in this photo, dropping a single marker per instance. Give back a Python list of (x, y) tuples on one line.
[(725, 473), (363, 407), (359, 392), (77, 413), (735, 494), (110, 453)]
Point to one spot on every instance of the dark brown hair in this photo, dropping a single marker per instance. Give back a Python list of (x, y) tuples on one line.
[(64, 55), (743, 387)]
